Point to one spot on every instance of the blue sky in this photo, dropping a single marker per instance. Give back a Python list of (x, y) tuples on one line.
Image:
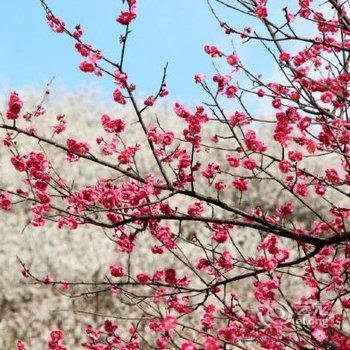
[(165, 31)]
